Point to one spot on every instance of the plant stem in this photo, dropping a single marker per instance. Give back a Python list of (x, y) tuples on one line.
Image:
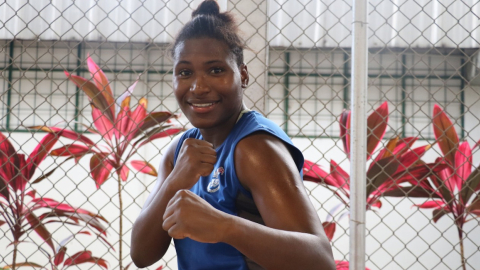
[(14, 263), (120, 230), (462, 252)]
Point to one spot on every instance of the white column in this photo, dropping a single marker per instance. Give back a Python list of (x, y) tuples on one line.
[(252, 18), (358, 135)]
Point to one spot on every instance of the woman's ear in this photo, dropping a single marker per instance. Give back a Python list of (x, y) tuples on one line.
[(244, 75)]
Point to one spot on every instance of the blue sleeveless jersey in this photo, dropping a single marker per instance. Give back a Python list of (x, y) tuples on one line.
[(221, 189)]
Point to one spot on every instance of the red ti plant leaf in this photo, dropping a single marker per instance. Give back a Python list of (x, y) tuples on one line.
[(412, 192), (95, 95), (103, 124), (9, 165), (342, 177), (463, 164), (100, 168), (376, 127), (59, 257), (151, 120), (71, 150), (40, 152), (20, 179), (123, 118), (380, 172), (143, 166), (64, 133), (102, 84), (99, 261), (388, 150), (471, 185), (344, 265), (313, 172), (4, 188), (345, 131), (85, 257), (438, 213), (445, 134), (137, 116), (124, 173), (162, 134), (40, 229), (329, 228), (437, 204), (78, 258), (6, 151)]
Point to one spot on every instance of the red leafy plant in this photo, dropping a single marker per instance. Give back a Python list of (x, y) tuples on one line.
[(122, 129), (394, 164), (23, 211), (81, 257), (455, 188)]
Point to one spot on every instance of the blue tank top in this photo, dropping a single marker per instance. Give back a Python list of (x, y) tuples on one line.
[(221, 189)]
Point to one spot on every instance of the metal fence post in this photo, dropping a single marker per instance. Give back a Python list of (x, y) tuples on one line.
[(358, 138)]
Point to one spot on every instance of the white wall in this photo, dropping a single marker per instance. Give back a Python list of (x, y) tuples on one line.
[(299, 23)]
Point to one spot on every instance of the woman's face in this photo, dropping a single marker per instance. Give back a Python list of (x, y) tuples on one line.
[(207, 82)]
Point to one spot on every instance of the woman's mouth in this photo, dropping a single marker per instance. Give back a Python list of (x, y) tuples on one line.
[(203, 107), (202, 104)]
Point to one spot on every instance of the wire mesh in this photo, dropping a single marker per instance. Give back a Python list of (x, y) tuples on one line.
[(421, 54)]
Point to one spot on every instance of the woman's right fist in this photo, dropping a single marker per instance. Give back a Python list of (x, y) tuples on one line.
[(196, 158)]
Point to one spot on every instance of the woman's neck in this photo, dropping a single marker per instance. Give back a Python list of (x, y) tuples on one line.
[(217, 135)]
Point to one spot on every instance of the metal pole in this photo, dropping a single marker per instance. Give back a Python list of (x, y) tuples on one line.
[(358, 135)]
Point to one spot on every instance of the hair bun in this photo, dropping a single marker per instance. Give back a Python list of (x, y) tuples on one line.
[(207, 7)]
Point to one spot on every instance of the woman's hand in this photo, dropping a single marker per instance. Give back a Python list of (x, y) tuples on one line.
[(196, 158), (188, 215)]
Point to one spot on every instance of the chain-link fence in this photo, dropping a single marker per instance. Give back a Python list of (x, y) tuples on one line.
[(423, 199)]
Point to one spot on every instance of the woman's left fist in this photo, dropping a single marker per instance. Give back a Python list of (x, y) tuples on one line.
[(188, 215)]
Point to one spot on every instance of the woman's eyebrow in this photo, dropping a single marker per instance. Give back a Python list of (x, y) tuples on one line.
[(213, 62), (183, 62)]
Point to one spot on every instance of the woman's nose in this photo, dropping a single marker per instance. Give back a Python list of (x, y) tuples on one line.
[(199, 86)]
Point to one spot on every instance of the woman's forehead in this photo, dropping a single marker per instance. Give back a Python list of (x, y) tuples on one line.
[(207, 48)]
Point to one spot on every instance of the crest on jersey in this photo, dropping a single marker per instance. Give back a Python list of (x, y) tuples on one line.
[(214, 184)]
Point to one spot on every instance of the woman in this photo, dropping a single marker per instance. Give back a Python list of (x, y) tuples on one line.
[(229, 191)]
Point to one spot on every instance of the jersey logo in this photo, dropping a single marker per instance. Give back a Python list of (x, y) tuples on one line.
[(214, 184)]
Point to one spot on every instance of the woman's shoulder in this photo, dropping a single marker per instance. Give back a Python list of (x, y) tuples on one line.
[(258, 133)]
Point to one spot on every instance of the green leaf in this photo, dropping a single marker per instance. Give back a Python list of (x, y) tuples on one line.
[(470, 185), (380, 172)]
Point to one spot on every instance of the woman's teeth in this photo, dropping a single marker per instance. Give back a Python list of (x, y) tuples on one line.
[(202, 104)]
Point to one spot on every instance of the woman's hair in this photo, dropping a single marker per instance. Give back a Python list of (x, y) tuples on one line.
[(208, 22)]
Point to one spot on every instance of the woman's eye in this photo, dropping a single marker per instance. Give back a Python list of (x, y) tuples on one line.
[(184, 72), (216, 70)]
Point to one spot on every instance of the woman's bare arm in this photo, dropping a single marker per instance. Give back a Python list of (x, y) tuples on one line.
[(149, 241), (293, 237)]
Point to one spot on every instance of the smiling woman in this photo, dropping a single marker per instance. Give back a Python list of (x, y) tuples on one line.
[(208, 84), (230, 190)]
